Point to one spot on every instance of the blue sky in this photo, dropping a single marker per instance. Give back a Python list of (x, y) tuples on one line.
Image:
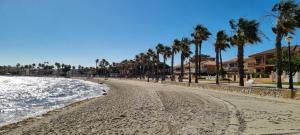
[(79, 31)]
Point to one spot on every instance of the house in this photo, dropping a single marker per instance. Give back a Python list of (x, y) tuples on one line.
[(208, 66), (231, 68), (266, 69), (259, 66)]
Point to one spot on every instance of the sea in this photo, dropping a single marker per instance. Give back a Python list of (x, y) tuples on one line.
[(23, 97)]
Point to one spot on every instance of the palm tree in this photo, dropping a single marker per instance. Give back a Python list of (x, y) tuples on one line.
[(97, 71), (137, 66), (185, 52), (166, 54), (151, 55), (200, 34), (159, 49), (144, 62), (148, 59), (224, 44), (103, 65), (190, 73), (221, 44), (58, 67), (33, 65), (175, 49), (132, 67), (217, 50), (141, 64), (124, 68), (97, 61), (18, 65), (287, 14), (245, 32)]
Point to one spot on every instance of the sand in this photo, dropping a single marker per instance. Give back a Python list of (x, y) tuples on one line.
[(137, 107)]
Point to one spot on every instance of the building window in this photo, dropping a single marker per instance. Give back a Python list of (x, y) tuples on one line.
[(258, 61)]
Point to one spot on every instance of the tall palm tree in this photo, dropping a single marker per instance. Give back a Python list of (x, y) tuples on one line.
[(159, 49), (217, 50), (58, 67), (185, 52), (124, 68), (245, 32), (223, 47), (18, 65), (190, 73), (166, 54), (33, 65), (287, 14), (151, 55), (200, 34), (220, 45), (143, 61), (137, 66), (132, 66), (103, 65), (97, 61), (175, 49), (148, 59)]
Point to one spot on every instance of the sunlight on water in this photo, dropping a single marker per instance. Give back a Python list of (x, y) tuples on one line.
[(22, 97)]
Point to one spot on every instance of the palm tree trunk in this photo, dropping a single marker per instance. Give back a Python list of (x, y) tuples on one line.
[(190, 75), (136, 68), (200, 59), (164, 68), (217, 64), (148, 71), (221, 64), (278, 60), (157, 68), (143, 72), (153, 73), (140, 71), (172, 66), (181, 68), (196, 63), (241, 64)]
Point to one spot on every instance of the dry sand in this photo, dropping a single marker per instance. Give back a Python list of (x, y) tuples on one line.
[(136, 107)]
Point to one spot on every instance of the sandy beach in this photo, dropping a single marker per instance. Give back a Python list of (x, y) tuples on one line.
[(137, 107)]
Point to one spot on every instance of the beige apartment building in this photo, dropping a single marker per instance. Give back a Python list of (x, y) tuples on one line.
[(258, 67), (208, 67)]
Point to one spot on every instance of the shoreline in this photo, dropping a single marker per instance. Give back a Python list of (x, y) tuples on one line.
[(137, 107), (30, 119)]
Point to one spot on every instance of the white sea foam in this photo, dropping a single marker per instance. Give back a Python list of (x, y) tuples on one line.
[(22, 97)]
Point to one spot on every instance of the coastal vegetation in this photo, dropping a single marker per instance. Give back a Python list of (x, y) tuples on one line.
[(40, 69), (295, 62)]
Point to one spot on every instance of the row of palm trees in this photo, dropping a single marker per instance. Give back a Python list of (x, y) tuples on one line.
[(243, 32), (40, 69), (102, 67)]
